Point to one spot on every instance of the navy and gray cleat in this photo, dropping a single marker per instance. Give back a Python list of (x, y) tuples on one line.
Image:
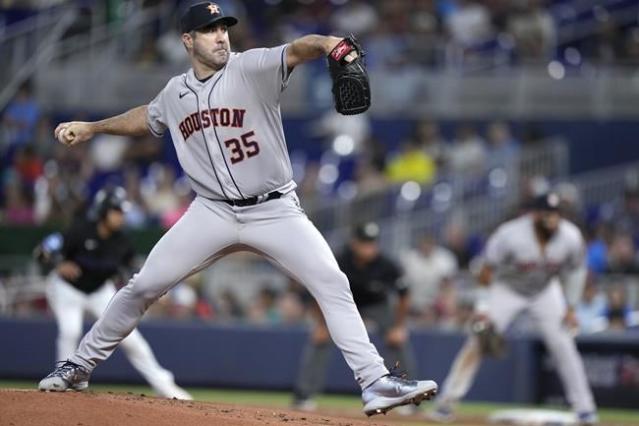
[(390, 391), (67, 375)]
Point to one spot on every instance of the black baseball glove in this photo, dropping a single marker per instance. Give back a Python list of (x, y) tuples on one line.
[(491, 343), (351, 89)]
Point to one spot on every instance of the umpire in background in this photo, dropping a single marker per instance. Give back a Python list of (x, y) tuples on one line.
[(85, 261), (382, 300)]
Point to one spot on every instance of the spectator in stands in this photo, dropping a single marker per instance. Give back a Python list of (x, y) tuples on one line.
[(290, 307), (428, 135), (227, 307), (570, 202), (356, 16), (370, 178), (618, 313), (467, 155), (387, 49), (184, 196), (424, 36), (20, 119), (445, 305), (136, 215), (369, 172), (143, 152), (28, 165), (623, 215), (469, 23), (534, 30), (299, 19), (608, 45), (412, 163), (597, 249), (425, 268), (265, 310), (181, 302), (502, 149), (622, 255), (18, 208), (591, 309), (158, 192), (457, 240)]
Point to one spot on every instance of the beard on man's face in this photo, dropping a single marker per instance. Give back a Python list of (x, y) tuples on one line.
[(544, 229)]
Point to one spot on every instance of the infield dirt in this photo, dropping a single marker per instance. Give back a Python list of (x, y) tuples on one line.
[(31, 407)]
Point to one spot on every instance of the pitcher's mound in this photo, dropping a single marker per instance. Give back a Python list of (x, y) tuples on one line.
[(31, 407)]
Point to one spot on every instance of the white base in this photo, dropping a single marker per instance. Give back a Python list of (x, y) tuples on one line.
[(533, 417)]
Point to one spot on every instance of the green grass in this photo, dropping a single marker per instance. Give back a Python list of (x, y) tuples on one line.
[(333, 402)]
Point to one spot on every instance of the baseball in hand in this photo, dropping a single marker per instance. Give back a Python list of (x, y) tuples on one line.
[(63, 137), (66, 133)]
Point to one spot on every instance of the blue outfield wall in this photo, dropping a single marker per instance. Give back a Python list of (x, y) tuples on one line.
[(252, 357)]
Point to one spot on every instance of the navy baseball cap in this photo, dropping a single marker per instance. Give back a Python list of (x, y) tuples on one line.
[(368, 231), (203, 14), (547, 202)]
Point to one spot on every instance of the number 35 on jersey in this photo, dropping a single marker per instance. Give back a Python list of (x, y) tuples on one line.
[(245, 146)]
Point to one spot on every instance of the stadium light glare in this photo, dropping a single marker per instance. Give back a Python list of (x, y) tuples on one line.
[(411, 191), (328, 174), (556, 70), (573, 56), (343, 145), (347, 190), (498, 178)]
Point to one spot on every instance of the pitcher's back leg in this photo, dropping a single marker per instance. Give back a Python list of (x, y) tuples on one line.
[(192, 242)]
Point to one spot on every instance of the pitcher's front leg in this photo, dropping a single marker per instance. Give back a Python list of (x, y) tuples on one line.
[(292, 241)]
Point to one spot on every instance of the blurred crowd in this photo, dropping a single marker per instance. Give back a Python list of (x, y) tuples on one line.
[(45, 182), (463, 34), (401, 33), (356, 162), (438, 270)]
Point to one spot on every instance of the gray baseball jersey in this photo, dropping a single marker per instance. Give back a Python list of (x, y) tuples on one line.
[(519, 263), (527, 279), (229, 140)]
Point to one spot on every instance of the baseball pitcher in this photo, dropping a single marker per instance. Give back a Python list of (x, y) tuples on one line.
[(224, 118), (525, 262)]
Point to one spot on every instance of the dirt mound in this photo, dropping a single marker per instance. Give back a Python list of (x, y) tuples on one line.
[(30, 407)]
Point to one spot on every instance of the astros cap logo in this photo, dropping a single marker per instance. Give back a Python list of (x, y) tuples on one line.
[(213, 8), (202, 14)]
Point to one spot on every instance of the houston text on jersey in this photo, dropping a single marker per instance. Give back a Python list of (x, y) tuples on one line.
[(225, 117)]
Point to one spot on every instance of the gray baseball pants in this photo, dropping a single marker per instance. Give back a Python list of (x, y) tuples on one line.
[(279, 230)]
